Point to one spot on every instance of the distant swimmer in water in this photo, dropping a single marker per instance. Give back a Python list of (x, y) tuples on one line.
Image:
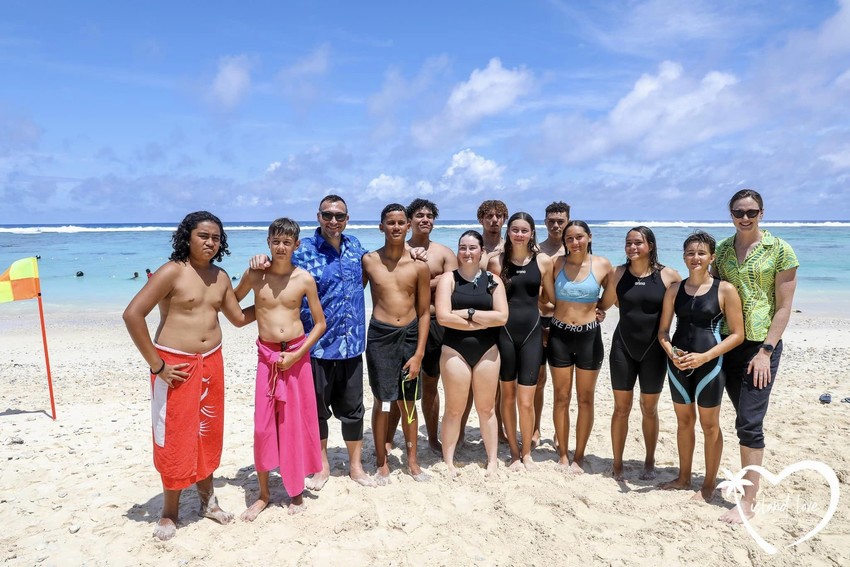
[(135, 276), (148, 272), (80, 274)]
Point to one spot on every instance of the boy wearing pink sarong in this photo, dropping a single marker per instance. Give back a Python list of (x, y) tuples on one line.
[(286, 427)]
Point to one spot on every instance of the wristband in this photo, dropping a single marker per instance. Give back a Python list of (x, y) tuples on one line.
[(161, 368)]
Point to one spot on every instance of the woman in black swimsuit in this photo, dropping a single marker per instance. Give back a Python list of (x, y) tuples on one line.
[(635, 351), (471, 305), (696, 351), (523, 272)]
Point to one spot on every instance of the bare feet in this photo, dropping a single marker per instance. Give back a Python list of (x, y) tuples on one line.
[(363, 479), (733, 516), (492, 469), (617, 472), (453, 472), (317, 481), (382, 476), (213, 511), (422, 476), (296, 508), (516, 465), (165, 529), (254, 510), (704, 494), (529, 463), (649, 473), (677, 484), (575, 468)]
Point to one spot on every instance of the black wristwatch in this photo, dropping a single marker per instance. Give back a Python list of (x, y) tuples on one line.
[(469, 313), (767, 347)]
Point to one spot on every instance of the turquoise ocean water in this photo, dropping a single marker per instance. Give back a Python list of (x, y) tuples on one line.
[(108, 254)]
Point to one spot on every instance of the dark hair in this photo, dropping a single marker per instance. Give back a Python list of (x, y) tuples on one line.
[(486, 206), (649, 237), (475, 234), (417, 204), (333, 199), (181, 237), (700, 237), (285, 227), (391, 208), (745, 193), (508, 249), (583, 225), (558, 207)]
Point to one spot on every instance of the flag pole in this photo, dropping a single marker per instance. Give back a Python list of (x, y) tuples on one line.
[(46, 357)]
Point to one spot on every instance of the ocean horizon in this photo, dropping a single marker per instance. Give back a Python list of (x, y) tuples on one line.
[(108, 254)]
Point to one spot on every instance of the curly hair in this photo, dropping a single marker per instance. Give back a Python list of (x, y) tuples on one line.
[(181, 237), (417, 204), (487, 206)]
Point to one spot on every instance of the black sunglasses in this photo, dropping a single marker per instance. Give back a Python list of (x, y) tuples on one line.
[(327, 216), (749, 213)]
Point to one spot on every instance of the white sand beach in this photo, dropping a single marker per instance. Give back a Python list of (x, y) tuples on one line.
[(82, 490)]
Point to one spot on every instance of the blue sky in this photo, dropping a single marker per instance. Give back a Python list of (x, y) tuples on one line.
[(629, 110)]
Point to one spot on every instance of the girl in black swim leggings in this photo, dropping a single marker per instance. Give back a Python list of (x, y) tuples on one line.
[(523, 272)]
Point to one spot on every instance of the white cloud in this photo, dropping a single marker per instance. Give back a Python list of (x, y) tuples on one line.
[(232, 81), (385, 187), (663, 113), (315, 63), (488, 92), (273, 166), (470, 174)]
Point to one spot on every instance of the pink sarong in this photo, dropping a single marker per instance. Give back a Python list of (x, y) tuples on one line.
[(286, 423)]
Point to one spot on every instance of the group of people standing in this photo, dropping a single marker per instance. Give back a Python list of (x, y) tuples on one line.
[(485, 319)]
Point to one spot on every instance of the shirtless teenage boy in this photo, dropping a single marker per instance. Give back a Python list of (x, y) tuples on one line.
[(440, 259), (186, 367), (286, 422), (492, 216), (397, 334)]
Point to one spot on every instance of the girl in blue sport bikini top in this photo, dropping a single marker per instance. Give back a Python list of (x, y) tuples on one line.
[(585, 291)]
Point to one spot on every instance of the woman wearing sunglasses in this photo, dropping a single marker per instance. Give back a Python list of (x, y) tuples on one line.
[(694, 370), (763, 269)]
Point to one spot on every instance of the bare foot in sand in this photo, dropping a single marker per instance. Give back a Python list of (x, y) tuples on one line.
[(165, 529), (363, 479), (452, 471), (213, 511), (617, 472), (649, 472), (575, 468), (296, 505), (421, 476), (704, 494), (516, 465), (529, 463), (733, 515), (254, 510), (317, 481), (677, 484), (492, 469), (382, 476)]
